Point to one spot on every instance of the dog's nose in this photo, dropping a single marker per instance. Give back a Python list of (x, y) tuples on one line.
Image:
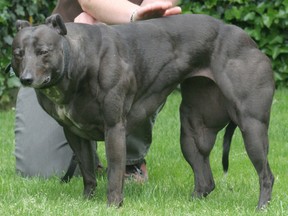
[(26, 80)]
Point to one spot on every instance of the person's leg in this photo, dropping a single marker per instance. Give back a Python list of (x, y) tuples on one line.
[(68, 9), (40, 145), (138, 144)]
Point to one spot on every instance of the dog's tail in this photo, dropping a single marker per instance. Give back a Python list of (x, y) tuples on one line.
[(229, 131)]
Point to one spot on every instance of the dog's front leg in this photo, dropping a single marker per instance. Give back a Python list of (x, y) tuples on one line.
[(84, 151), (115, 142)]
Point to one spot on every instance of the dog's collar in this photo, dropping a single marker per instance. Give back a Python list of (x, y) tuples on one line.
[(66, 53)]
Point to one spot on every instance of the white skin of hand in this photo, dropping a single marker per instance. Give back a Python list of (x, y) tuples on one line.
[(148, 9)]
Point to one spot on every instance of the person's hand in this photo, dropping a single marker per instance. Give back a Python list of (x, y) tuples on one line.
[(85, 18), (150, 9)]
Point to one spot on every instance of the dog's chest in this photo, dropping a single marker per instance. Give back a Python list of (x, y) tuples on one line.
[(62, 112), (77, 124), (77, 115), (54, 94), (64, 115)]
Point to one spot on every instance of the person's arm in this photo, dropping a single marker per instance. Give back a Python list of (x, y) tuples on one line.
[(121, 11)]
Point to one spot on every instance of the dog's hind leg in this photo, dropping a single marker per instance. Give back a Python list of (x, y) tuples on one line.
[(252, 118), (196, 145), (202, 115), (255, 135), (247, 83)]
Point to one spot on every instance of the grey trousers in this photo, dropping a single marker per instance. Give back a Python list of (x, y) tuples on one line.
[(40, 145)]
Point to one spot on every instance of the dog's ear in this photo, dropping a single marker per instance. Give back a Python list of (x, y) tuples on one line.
[(56, 22), (20, 24)]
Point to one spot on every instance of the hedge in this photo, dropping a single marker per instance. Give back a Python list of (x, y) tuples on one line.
[(265, 20)]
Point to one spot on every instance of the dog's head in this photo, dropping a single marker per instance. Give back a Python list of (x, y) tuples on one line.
[(39, 52)]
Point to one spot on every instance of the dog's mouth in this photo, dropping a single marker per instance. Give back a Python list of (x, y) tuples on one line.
[(44, 84), (50, 81), (46, 80), (40, 83)]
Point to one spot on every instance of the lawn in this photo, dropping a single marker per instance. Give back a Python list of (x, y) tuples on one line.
[(170, 178)]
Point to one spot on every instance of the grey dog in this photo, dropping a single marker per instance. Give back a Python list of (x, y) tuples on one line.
[(101, 81)]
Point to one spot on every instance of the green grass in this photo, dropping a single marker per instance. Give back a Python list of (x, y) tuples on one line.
[(170, 178)]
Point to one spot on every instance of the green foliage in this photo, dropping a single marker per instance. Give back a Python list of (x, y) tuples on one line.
[(10, 10), (265, 21)]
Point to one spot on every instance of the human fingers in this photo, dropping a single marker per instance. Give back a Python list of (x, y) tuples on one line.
[(173, 11), (152, 10)]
